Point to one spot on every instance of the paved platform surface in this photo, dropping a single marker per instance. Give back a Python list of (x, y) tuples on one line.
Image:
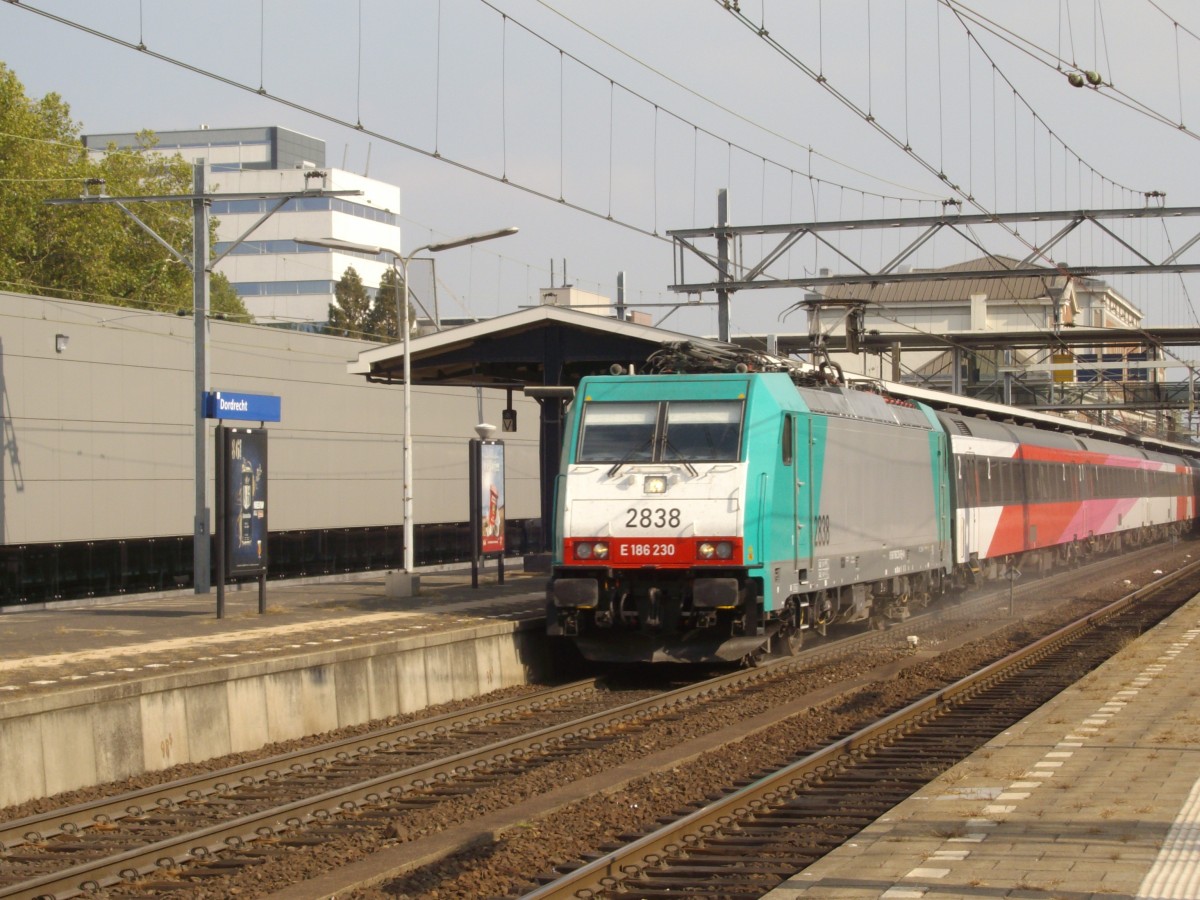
[(1096, 795), (114, 639)]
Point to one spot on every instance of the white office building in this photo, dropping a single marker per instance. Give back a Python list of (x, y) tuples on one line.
[(282, 282)]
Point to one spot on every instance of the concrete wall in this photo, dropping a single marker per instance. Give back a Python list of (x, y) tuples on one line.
[(96, 441), (73, 739)]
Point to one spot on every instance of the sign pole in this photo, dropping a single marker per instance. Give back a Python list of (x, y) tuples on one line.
[(476, 528), (222, 475), (241, 488), (486, 485)]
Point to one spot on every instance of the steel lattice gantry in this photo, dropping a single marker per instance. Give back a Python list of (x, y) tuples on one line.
[(731, 273), (720, 252)]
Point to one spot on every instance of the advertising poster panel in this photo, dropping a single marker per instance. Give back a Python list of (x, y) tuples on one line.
[(491, 497), (245, 460)]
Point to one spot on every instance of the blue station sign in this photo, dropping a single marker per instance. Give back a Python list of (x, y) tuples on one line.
[(248, 407)]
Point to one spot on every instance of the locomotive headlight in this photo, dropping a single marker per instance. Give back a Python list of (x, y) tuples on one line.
[(583, 551), (600, 550), (714, 550), (655, 484)]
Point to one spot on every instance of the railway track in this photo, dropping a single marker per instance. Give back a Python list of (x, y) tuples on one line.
[(238, 817), (161, 838), (744, 844), (95, 844), (204, 829)]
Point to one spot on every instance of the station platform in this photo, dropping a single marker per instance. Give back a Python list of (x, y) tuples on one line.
[(109, 689), (64, 644), (1095, 795)]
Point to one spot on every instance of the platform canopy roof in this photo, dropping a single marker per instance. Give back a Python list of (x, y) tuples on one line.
[(542, 345)]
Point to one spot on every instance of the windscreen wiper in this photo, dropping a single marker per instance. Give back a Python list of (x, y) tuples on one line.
[(667, 445), (628, 456)]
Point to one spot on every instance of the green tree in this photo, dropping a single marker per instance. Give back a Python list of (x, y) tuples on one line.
[(384, 322), (223, 300), (96, 251), (350, 312)]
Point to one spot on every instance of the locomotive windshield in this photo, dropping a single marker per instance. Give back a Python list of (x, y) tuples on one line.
[(618, 432), (674, 431)]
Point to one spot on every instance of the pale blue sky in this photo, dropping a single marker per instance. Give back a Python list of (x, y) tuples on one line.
[(457, 78)]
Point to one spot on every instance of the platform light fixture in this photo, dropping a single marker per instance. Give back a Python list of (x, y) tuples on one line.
[(401, 260)]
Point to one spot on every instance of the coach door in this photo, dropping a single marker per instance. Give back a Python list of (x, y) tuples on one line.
[(966, 497), (797, 454)]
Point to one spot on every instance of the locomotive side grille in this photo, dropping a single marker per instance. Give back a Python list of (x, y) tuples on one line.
[(821, 532)]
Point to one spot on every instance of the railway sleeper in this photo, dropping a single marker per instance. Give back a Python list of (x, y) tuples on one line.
[(155, 887), (723, 889), (734, 840), (767, 836), (234, 862), (775, 826), (770, 821), (821, 807), (756, 866), (672, 893), (743, 871)]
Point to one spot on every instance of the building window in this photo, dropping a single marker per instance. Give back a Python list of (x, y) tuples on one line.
[(305, 204), (286, 288)]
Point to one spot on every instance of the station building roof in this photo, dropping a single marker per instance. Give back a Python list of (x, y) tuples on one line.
[(541, 345)]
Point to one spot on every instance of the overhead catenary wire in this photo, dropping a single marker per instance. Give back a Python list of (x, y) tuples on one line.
[(883, 130), (742, 117), (643, 98), (1166, 15), (1054, 60), (858, 110), (730, 149)]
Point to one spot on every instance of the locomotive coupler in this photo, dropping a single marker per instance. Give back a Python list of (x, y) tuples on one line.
[(654, 615), (570, 625)]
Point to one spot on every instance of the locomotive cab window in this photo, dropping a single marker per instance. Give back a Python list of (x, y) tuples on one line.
[(618, 432), (704, 431), (676, 431)]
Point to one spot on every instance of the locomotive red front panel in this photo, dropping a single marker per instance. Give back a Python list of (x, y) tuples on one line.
[(654, 552)]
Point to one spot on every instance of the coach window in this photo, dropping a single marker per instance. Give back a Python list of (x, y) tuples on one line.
[(1003, 479), (1041, 482), (968, 480)]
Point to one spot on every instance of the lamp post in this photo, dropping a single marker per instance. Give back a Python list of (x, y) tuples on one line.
[(409, 585)]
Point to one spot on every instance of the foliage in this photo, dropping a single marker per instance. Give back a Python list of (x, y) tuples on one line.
[(97, 251), (223, 299), (384, 311), (350, 312)]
